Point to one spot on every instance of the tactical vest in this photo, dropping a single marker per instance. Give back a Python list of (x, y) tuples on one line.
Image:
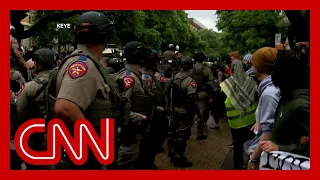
[(179, 95), (157, 94), (200, 78), (39, 104), (14, 61), (99, 108), (237, 119), (139, 101)]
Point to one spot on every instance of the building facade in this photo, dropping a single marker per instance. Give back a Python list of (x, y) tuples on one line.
[(27, 22), (196, 25)]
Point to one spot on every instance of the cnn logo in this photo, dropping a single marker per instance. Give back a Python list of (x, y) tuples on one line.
[(58, 136)]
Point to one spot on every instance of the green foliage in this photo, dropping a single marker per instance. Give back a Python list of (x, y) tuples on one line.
[(50, 36), (247, 31), (150, 27)]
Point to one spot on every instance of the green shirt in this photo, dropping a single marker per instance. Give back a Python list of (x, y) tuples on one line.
[(292, 121)]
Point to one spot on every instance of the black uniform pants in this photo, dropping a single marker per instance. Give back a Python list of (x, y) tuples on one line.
[(239, 137)]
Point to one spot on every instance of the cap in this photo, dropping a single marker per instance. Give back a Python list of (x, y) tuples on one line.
[(264, 58), (235, 54)]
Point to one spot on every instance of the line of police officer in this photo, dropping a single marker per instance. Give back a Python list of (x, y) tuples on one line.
[(146, 107)]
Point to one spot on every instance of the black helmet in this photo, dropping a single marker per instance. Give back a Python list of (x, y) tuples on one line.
[(199, 57), (186, 63), (43, 57), (93, 28), (151, 62), (135, 52)]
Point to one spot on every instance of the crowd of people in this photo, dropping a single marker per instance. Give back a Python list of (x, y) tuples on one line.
[(156, 97)]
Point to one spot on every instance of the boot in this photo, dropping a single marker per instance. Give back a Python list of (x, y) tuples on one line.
[(201, 136), (179, 159), (182, 162), (171, 142)]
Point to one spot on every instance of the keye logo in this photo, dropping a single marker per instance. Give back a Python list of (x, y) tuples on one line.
[(63, 25), (58, 136)]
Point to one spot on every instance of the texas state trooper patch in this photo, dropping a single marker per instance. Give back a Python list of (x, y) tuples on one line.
[(77, 69), (193, 84), (163, 79), (128, 82)]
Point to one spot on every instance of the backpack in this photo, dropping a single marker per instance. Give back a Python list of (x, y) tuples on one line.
[(179, 95), (199, 77)]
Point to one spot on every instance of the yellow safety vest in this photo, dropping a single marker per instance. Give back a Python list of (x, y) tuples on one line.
[(238, 119)]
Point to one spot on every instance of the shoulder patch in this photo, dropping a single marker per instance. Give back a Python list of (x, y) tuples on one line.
[(77, 69), (163, 79), (128, 73), (82, 58), (193, 84), (128, 81), (146, 76), (149, 83)]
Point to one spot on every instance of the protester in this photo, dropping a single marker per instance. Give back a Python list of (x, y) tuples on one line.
[(269, 97), (291, 130), (241, 107)]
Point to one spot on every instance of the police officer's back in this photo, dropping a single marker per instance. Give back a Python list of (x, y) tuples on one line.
[(202, 75), (32, 101), (135, 91), (83, 87), (183, 101)]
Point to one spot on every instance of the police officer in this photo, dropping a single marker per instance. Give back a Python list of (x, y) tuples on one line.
[(31, 101), (83, 87), (156, 135), (135, 90), (184, 97), (202, 75), (16, 59), (17, 77), (164, 86)]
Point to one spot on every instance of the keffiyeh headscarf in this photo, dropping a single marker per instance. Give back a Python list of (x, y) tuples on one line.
[(239, 88)]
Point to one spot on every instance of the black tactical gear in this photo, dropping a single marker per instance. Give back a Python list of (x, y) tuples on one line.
[(179, 96), (199, 57), (151, 62), (200, 78), (115, 64), (136, 52), (93, 28), (186, 63), (43, 56)]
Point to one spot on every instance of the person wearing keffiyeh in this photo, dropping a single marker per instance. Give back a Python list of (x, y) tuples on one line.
[(248, 62), (240, 90)]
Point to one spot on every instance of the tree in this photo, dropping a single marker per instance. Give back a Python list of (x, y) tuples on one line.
[(50, 36), (247, 31), (151, 27)]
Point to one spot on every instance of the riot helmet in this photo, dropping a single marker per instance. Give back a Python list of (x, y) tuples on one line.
[(136, 52), (199, 57), (93, 28), (115, 63), (44, 57), (151, 62), (186, 63)]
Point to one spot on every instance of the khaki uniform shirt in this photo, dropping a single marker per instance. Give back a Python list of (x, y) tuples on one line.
[(26, 96), (132, 84), (80, 82)]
